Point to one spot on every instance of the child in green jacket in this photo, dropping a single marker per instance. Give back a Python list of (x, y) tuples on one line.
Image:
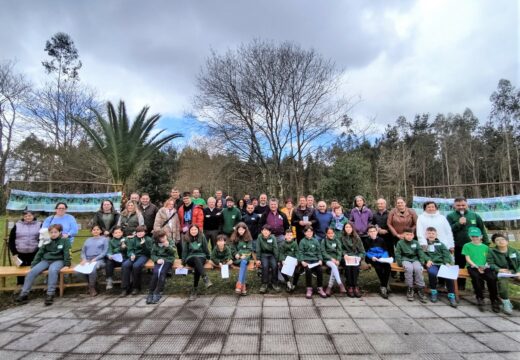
[(139, 248), (195, 253), (409, 254), (503, 259), (267, 253), (352, 246), (438, 255), (289, 247), (53, 255), (243, 243), (332, 253), (163, 255), (116, 245), (221, 254), (310, 253)]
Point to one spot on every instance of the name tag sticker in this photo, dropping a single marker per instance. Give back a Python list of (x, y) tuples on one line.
[(280, 217), (333, 245), (513, 256), (208, 216), (60, 246), (414, 246), (270, 241), (232, 216), (431, 248)]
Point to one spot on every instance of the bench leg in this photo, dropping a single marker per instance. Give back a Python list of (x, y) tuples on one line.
[(456, 289), (62, 284)]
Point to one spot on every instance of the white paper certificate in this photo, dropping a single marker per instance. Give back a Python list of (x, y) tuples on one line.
[(289, 265)]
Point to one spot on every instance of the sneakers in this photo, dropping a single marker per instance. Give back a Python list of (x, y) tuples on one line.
[(421, 295), (452, 299), (207, 282), (156, 298), (495, 306), (149, 299), (350, 291), (193, 295), (110, 284), (276, 287), (480, 304), (507, 307), (357, 292), (290, 286), (21, 299), (384, 292), (49, 299), (263, 289), (238, 288), (328, 291), (243, 290), (308, 294), (342, 289), (434, 296), (321, 292), (409, 294)]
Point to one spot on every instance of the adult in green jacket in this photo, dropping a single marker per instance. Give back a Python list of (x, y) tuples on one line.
[(53, 255), (460, 220), (195, 253), (231, 216), (503, 259)]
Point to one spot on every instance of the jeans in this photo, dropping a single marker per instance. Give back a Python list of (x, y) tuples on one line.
[(269, 263), (334, 273), (478, 279), (52, 280), (352, 275), (159, 277), (242, 273), (92, 277), (110, 266), (317, 270), (26, 261), (131, 270), (432, 278), (197, 263), (413, 274)]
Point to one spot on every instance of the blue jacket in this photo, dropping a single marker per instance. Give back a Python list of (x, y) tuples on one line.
[(323, 223)]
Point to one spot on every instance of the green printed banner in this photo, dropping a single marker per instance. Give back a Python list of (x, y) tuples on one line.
[(490, 209), (20, 200)]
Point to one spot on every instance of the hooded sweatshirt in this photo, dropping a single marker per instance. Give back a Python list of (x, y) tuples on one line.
[(440, 223)]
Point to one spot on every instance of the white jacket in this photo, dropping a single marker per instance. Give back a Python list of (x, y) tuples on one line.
[(440, 223)]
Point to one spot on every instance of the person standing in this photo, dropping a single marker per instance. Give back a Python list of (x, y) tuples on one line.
[(251, 219), (288, 210), (197, 200), (303, 217), (276, 220), (23, 240), (130, 218), (460, 220), (175, 195), (361, 217), (106, 217), (67, 222), (212, 221), (324, 218), (149, 211), (380, 221), (231, 216), (432, 218), (262, 206)]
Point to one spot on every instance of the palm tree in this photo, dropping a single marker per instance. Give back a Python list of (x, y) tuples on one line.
[(125, 146)]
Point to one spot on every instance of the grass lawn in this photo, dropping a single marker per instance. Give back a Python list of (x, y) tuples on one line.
[(181, 285)]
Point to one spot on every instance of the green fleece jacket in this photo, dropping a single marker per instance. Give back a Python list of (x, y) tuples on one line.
[(230, 217), (460, 232), (409, 251), (352, 246), (289, 249), (266, 246), (331, 249), (136, 248), (221, 257), (310, 250), (57, 249), (498, 260), (195, 247), (114, 247), (167, 253), (440, 254)]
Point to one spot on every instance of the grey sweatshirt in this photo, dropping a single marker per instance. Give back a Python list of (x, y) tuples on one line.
[(94, 248)]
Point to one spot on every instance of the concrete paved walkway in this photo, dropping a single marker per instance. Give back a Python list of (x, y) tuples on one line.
[(255, 327)]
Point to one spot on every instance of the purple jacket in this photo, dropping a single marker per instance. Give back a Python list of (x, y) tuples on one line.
[(361, 219)]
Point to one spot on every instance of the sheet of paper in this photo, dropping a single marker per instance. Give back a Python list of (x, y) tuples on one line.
[(310, 266), (181, 271), (117, 257), (388, 260), (16, 260), (352, 260), (448, 272), (289, 265), (224, 271), (85, 269), (506, 275)]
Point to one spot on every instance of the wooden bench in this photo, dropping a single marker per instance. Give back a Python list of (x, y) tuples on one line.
[(463, 274)]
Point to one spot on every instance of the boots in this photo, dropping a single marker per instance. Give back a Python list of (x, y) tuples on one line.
[(308, 294), (243, 290), (342, 289), (238, 287), (92, 290), (328, 291), (384, 292), (409, 294), (433, 295), (357, 292), (49, 299), (207, 282), (421, 295), (22, 299), (321, 292), (350, 291)]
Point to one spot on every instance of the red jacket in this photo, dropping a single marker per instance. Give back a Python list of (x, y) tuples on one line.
[(197, 216)]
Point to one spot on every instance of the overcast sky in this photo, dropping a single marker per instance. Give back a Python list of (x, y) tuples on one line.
[(399, 57)]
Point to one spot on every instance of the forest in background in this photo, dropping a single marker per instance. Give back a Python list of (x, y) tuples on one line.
[(41, 141)]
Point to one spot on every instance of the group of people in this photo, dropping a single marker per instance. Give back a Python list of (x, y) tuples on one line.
[(261, 230)]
